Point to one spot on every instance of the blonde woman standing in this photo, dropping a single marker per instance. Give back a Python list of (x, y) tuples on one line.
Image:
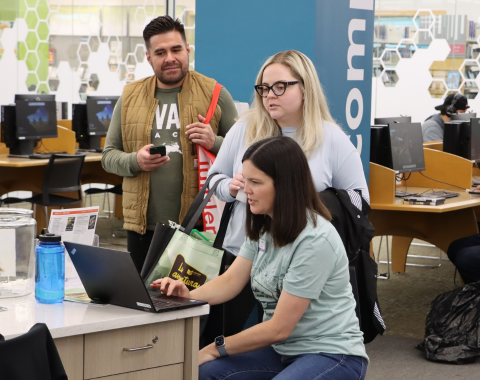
[(289, 101)]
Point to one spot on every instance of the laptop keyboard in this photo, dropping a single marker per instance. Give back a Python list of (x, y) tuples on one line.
[(162, 304)]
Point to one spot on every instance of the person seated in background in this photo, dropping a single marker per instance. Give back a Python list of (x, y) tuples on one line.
[(464, 253), (433, 126), (296, 264)]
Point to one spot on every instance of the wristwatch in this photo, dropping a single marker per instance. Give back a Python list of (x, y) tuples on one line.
[(220, 344)]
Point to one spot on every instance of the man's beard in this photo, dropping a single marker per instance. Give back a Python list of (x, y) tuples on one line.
[(170, 80)]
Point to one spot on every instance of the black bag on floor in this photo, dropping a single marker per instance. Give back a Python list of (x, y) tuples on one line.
[(452, 331)]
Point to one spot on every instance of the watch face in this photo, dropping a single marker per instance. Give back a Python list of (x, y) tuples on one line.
[(219, 341)]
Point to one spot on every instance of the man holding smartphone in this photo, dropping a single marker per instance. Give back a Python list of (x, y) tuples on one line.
[(167, 109)]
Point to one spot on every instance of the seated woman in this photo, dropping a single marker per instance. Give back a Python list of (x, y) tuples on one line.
[(464, 253), (298, 269)]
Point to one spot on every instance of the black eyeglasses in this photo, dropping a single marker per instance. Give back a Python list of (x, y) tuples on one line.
[(278, 88)]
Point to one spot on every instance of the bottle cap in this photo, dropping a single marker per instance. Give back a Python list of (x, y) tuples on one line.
[(50, 238)]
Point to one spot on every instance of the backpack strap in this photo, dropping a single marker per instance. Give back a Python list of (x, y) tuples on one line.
[(213, 104)]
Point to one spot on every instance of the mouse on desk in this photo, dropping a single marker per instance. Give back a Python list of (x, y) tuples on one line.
[(474, 192)]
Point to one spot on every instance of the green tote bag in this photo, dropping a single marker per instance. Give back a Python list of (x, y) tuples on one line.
[(176, 254)]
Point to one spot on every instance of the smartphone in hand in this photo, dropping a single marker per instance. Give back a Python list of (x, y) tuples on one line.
[(158, 149)]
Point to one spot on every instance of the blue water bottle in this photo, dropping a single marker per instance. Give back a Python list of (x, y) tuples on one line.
[(50, 269)]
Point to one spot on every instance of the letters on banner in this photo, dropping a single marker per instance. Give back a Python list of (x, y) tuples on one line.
[(214, 209)]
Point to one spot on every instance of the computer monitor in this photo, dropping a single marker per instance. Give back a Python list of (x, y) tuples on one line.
[(463, 116), (35, 118), (462, 138), (99, 115), (388, 120), (407, 147), (398, 146)]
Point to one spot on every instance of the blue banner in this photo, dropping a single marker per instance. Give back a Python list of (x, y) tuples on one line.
[(234, 38), (343, 59)]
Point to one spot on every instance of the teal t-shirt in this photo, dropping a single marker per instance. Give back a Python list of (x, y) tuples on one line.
[(314, 266)]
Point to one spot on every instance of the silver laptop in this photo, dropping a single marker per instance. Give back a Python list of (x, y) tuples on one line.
[(110, 276)]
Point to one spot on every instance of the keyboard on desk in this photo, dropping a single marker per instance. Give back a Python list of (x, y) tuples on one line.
[(40, 156), (403, 194), (440, 194), (46, 156)]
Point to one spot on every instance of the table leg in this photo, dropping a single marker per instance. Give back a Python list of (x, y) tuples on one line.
[(439, 229), (400, 246)]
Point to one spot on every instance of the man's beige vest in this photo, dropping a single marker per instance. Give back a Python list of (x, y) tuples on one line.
[(138, 111)]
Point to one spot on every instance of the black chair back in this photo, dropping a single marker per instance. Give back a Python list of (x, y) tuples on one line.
[(62, 175), (32, 355)]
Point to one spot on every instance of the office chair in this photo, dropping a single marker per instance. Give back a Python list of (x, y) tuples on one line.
[(386, 276), (62, 175), (117, 190), (11, 200), (32, 355)]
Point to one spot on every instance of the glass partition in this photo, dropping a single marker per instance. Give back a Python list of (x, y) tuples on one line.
[(423, 51), (75, 48)]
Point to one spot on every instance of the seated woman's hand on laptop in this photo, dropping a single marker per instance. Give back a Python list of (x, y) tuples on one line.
[(171, 287)]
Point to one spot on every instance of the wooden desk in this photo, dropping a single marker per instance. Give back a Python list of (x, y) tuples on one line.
[(27, 174), (90, 338), (438, 225)]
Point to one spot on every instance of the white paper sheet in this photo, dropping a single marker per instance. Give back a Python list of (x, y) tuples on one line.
[(8, 258), (76, 225)]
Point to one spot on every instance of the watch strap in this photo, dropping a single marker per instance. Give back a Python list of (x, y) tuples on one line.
[(222, 351)]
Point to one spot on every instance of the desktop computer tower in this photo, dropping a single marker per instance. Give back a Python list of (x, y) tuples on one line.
[(380, 146), (457, 138), (80, 125), (8, 134)]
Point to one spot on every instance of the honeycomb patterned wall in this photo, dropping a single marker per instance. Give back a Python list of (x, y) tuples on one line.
[(34, 48), (75, 48), (413, 75)]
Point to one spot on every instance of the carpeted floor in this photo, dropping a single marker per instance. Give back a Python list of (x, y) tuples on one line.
[(405, 302)]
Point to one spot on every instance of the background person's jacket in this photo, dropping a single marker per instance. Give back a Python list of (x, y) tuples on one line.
[(432, 128)]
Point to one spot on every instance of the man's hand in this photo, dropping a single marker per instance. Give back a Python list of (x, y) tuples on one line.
[(147, 161), (207, 354), (200, 133), (237, 183)]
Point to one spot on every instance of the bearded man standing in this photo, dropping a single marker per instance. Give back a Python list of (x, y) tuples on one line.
[(167, 108)]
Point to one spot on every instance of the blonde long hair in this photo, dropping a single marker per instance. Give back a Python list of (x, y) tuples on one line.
[(315, 108)]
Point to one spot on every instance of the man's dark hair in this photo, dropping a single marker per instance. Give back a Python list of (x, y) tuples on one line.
[(296, 198), (160, 25)]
